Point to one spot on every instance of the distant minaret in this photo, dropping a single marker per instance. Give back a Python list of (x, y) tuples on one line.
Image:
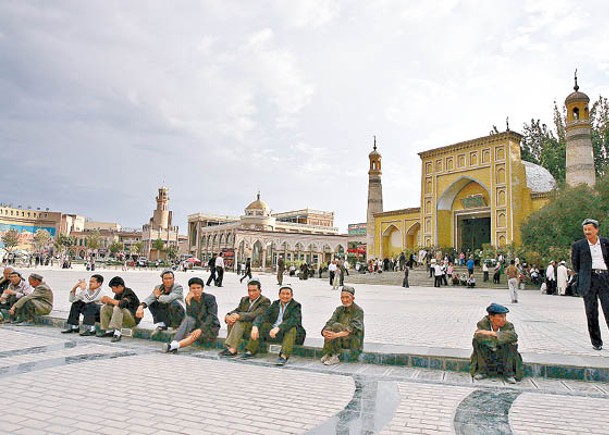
[(580, 155), (161, 217), (375, 196)]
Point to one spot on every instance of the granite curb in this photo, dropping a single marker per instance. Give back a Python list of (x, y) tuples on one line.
[(555, 366)]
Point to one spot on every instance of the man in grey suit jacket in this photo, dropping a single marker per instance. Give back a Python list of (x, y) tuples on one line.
[(590, 259)]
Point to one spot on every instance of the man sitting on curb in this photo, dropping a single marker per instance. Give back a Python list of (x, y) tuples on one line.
[(38, 302), (239, 321), (118, 312), (282, 321), (496, 347), (86, 301), (165, 304), (5, 281), (201, 321), (17, 288), (344, 330)]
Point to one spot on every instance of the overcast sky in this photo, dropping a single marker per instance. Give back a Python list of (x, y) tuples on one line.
[(102, 102)]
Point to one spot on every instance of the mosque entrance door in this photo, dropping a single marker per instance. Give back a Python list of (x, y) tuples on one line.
[(473, 231)]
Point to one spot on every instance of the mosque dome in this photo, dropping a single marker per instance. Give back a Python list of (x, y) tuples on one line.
[(539, 179), (575, 97), (257, 207)]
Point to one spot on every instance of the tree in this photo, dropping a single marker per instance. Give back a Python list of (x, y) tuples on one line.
[(10, 239), (172, 252), (115, 247), (550, 231), (158, 245), (41, 239), (93, 240), (63, 243), (135, 250)]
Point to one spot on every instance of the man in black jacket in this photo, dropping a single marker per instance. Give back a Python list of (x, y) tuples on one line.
[(118, 312), (282, 322), (590, 259), (201, 321)]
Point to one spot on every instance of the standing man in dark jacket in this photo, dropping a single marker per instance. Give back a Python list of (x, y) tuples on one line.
[(118, 312), (239, 321), (590, 259), (280, 270), (211, 265), (201, 321), (248, 270), (282, 321)]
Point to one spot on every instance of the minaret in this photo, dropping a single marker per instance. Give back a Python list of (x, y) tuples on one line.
[(375, 197), (580, 155), (161, 216)]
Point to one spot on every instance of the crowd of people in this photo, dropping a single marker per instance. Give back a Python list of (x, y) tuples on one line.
[(194, 316)]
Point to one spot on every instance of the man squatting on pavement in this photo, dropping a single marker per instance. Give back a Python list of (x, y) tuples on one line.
[(282, 321), (118, 312), (165, 304), (344, 330), (86, 301), (36, 303), (496, 347), (201, 320), (590, 259), (239, 321)]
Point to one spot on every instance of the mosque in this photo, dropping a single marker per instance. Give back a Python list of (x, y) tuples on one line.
[(475, 192)]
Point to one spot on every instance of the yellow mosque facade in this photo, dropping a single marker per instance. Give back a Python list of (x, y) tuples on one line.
[(476, 192), (473, 192)]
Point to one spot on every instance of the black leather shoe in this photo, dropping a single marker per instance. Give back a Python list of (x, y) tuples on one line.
[(597, 347), (116, 338), (69, 331), (281, 361), (87, 333), (247, 355), (102, 333), (226, 354)]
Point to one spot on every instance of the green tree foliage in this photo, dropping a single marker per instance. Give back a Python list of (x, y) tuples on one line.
[(158, 245), (10, 239), (550, 232), (41, 239), (599, 118), (93, 240), (172, 252), (115, 247)]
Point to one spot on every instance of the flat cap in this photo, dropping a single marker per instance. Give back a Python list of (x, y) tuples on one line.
[(196, 280), (36, 276), (348, 289), (495, 308), (588, 221)]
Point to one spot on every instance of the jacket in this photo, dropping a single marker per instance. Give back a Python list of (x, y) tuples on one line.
[(292, 317), (42, 293), (247, 314), (581, 259), (205, 313), (129, 300)]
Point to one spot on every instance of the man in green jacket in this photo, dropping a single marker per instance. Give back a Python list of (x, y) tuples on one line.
[(496, 347), (39, 302), (344, 330), (282, 322), (240, 320)]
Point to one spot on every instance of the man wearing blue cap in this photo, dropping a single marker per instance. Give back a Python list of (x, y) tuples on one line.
[(590, 259), (496, 347)]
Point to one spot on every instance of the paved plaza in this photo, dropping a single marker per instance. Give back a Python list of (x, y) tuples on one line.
[(86, 385)]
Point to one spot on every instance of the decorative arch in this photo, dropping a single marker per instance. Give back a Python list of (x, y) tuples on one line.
[(445, 202)]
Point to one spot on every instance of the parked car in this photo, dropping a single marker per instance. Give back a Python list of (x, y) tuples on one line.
[(142, 262)]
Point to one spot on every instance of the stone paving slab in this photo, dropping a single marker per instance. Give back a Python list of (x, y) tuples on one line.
[(143, 390)]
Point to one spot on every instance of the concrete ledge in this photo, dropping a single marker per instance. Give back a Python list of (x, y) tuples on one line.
[(556, 366)]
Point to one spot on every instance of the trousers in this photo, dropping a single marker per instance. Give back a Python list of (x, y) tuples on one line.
[(599, 289), (113, 317), (90, 312)]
